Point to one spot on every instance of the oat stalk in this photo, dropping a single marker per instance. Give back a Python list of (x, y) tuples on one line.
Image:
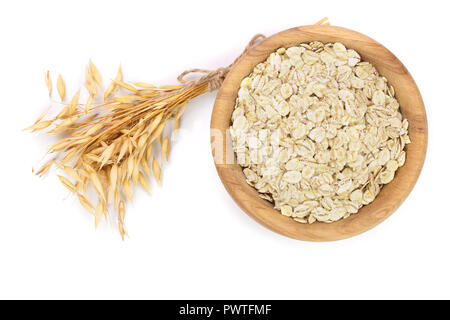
[(108, 147)]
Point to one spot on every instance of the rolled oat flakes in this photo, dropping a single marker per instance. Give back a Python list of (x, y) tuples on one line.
[(318, 131)]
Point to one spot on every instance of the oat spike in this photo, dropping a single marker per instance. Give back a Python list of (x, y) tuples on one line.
[(48, 82), (60, 85)]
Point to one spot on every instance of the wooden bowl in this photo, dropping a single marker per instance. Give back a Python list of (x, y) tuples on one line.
[(391, 195)]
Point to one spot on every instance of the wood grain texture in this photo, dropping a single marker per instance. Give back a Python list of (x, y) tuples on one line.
[(391, 195)]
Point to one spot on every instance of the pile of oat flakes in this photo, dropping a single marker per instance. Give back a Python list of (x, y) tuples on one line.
[(317, 131)]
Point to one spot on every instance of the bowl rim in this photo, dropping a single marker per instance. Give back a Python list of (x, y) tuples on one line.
[(390, 197)]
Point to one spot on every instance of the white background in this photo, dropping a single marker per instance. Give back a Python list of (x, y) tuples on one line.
[(189, 239)]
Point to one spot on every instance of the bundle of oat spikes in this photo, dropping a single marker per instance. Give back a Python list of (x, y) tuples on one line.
[(108, 146)]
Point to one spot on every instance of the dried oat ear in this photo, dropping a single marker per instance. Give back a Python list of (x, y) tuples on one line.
[(107, 141)]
